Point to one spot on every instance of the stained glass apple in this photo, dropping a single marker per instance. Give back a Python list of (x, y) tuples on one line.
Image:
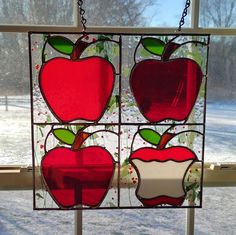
[(76, 88), (77, 176), (165, 88), (161, 171)]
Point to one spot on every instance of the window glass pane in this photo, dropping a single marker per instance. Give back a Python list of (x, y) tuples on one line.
[(17, 216), (164, 222), (218, 214), (15, 138), (221, 107), (149, 13), (54, 12), (218, 13), (14, 84)]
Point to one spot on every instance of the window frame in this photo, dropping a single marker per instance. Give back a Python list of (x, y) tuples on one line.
[(77, 26), (16, 177)]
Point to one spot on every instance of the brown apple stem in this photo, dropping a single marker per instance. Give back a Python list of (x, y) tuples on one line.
[(79, 139), (166, 137), (79, 47), (169, 49)]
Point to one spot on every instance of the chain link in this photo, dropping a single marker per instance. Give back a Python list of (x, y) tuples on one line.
[(181, 22), (185, 12), (81, 12)]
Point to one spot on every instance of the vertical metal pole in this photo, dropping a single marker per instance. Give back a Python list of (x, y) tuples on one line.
[(190, 214), (190, 221), (78, 222), (78, 228), (195, 14), (6, 103)]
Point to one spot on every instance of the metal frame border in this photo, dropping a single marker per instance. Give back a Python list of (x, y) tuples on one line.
[(119, 124)]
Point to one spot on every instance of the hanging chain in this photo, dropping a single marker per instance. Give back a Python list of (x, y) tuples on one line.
[(185, 12), (81, 12)]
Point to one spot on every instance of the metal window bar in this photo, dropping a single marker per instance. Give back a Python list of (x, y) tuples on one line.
[(195, 14)]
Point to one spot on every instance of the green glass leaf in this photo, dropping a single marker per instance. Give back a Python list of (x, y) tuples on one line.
[(125, 162), (144, 53), (153, 45), (41, 132), (79, 127), (150, 136), (64, 135), (124, 171), (111, 204), (39, 195), (61, 44), (45, 36)]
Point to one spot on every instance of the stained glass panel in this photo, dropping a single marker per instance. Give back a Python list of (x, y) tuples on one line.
[(118, 121)]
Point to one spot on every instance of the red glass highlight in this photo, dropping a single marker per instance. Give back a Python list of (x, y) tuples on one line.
[(78, 177), (77, 89)]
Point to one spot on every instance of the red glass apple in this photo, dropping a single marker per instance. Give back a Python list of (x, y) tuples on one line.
[(166, 89), (77, 88), (78, 176), (161, 172)]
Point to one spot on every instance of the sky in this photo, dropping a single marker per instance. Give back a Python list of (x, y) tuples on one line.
[(165, 13)]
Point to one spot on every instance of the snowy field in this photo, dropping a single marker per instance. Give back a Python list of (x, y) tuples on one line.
[(220, 132), (218, 215)]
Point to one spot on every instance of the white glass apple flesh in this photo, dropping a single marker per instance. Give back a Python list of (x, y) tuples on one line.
[(161, 174)]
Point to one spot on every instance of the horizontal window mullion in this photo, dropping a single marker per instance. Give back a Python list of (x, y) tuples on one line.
[(212, 31), (38, 28), (20, 178), (132, 30)]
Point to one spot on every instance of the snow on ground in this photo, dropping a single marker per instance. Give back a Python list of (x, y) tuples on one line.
[(15, 137), (220, 132), (217, 216)]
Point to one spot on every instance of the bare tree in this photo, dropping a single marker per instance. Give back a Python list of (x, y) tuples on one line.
[(218, 13), (117, 13), (222, 69), (14, 73)]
